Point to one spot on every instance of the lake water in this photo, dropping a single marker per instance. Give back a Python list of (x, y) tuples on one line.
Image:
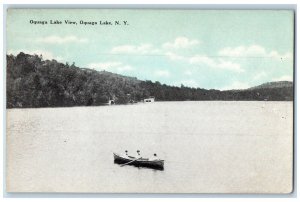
[(208, 147)]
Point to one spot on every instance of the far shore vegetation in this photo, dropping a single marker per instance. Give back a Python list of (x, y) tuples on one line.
[(34, 82)]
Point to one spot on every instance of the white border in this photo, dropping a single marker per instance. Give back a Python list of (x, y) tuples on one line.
[(212, 4)]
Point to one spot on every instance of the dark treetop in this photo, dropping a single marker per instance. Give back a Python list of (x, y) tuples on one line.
[(34, 82)]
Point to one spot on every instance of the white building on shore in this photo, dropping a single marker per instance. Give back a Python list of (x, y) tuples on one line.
[(149, 99)]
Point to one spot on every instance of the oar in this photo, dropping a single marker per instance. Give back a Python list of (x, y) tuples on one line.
[(129, 162)]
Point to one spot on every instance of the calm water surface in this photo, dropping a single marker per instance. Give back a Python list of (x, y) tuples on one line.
[(208, 147)]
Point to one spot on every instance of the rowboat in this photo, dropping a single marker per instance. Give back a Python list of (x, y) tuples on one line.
[(139, 162)]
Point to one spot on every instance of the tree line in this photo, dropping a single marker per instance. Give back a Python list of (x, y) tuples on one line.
[(35, 82)]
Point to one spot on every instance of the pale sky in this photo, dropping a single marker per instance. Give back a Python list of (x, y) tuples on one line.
[(206, 49)]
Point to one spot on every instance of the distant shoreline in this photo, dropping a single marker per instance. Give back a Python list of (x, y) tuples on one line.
[(152, 103), (33, 83)]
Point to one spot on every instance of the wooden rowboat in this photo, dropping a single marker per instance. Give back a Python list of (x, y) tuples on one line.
[(139, 162)]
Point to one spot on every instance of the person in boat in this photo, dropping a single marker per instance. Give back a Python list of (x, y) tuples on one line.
[(139, 155), (154, 158), (128, 156)]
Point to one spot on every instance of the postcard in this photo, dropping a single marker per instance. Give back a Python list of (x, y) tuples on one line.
[(149, 101)]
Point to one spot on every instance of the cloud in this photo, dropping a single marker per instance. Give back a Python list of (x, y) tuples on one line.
[(215, 63), (223, 64), (46, 54), (132, 49), (242, 51), (286, 56), (162, 73), (61, 40), (283, 78), (125, 68), (146, 48), (174, 56), (111, 66), (201, 59), (180, 42), (236, 85), (188, 72), (260, 75), (253, 51)]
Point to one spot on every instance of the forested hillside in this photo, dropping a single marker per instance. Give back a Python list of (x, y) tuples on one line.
[(34, 82)]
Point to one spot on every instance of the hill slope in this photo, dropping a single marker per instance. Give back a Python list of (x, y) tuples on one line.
[(277, 84), (34, 82)]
